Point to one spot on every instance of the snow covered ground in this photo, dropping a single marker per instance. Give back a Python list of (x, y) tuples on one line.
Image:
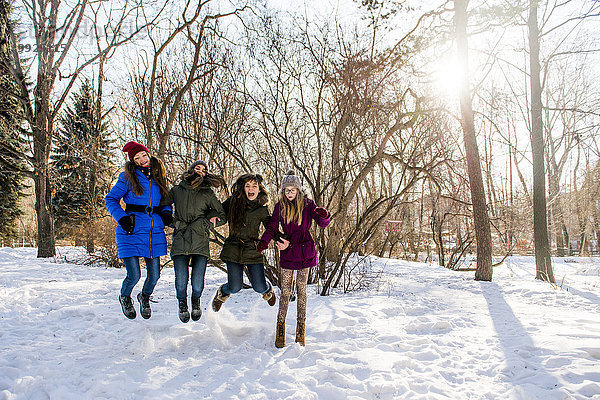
[(419, 332)]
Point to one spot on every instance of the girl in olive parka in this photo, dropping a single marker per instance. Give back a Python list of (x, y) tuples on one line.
[(246, 210), (197, 209)]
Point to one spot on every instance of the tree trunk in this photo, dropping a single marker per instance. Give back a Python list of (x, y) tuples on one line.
[(543, 260), (436, 229), (566, 238), (511, 218), (90, 243), (582, 218), (556, 213), (42, 140), (45, 225), (481, 219), (583, 249)]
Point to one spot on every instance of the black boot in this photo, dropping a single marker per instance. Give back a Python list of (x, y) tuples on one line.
[(184, 314), (196, 310), (144, 300), (127, 306)]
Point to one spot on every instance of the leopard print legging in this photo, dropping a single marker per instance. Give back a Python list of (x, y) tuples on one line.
[(286, 290)]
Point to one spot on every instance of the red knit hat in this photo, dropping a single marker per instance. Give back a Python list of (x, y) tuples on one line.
[(132, 148)]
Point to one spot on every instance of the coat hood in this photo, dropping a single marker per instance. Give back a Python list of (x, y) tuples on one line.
[(190, 186), (261, 200)]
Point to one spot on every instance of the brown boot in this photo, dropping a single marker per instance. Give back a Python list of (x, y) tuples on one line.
[(300, 329), (270, 297), (219, 299), (280, 335)]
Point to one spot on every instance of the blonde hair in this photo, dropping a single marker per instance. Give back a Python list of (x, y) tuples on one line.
[(291, 211)]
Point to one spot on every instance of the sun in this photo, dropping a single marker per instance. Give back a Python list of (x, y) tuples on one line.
[(447, 77)]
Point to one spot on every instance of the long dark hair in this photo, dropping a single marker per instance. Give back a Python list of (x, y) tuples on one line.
[(239, 201), (210, 179), (157, 171)]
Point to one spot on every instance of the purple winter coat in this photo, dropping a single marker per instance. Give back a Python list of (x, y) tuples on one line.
[(301, 253)]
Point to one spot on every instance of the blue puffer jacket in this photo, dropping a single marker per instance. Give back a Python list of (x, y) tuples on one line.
[(148, 237)]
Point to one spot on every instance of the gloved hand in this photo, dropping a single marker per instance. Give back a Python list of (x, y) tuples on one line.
[(166, 217), (127, 223), (262, 246), (279, 236), (323, 213)]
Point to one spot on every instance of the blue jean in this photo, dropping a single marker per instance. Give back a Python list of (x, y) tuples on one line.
[(235, 278), (132, 265), (181, 264)]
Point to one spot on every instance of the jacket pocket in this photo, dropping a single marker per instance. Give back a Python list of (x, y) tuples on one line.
[(292, 254), (121, 231), (308, 250), (206, 226)]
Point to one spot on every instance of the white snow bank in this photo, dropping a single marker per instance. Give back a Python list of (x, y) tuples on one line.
[(421, 332)]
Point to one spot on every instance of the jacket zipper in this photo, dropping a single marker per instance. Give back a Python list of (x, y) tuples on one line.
[(187, 248), (151, 219)]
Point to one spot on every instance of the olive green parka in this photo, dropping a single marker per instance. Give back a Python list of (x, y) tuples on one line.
[(240, 245), (194, 207)]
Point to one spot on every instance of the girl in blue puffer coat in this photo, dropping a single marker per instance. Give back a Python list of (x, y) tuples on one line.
[(141, 225)]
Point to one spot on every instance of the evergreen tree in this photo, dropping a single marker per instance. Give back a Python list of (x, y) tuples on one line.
[(11, 149), (80, 161)]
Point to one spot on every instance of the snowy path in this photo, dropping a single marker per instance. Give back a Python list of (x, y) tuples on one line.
[(422, 332)]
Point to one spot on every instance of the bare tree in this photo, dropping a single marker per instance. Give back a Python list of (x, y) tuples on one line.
[(158, 98), (480, 212), (543, 259), (345, 119), (56, 26)]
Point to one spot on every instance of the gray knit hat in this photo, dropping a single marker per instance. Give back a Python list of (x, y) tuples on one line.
[(195, 164), (290, 179)]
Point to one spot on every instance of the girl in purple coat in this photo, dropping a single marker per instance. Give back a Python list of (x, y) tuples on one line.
[(295, 212)]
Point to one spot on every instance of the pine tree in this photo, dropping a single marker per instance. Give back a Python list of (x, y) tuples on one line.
[(11, 117), (80, 161)]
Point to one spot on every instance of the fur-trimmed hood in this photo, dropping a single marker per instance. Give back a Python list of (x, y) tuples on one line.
[(261, 200)]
